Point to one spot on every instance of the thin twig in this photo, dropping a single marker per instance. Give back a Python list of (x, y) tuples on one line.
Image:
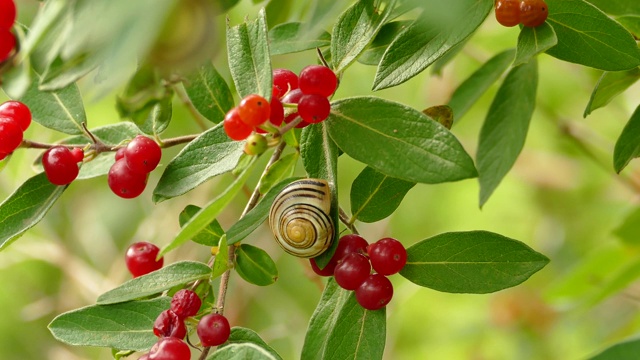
[(253, 201), (347, 221), (29, 144), (290, 126)]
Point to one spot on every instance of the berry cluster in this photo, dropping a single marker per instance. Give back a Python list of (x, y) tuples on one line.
[(141, 258), (61, 164), (7, 18), (351, 266), (309, 92), (529, 13), (128, 175), (15, 118)]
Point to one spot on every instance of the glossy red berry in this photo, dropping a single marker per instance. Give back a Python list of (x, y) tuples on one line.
[(142, 154), (351, 271), (120, 153), (314, 108), (18, 112), (141, 258), (375, 292), (3, 156), (254, 110), (169, 324), (346, 245), (10, 135), (277, 112), (388, 256), (213, 330), (7, 14), (533, 13), (170, 348), (185, 303), (124, 182), (284, 80), (508, 12), (235, 128), (7, 44), (318, 80), (78, 154), (293, 97), (60, 166)]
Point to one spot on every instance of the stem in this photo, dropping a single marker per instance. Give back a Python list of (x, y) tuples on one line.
[(290, 126), (253, 201), (348, 222), (189, 104), (101, 147)]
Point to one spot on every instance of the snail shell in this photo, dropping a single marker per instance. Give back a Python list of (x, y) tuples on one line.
[(299, 218)]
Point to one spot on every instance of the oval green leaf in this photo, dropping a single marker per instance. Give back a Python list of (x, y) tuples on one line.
[(374, 196), (209, 93), (627, 350), (293, 37), (221, 260), (125, 326), (585, 34), (533, 41), (211, 154), (505, 129), (628, 144), (610, 85), (155, 282), (26, 207), (60, 110), (374, 52), (245, 351), (159, 117), (210, 235), (409, 145), (281, 169), (476, 262), (255, 266), (240, 335)]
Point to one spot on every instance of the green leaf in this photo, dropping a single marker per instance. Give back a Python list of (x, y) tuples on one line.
[(61, 73), (355, 29), (505, 129), (125, 326), (629, 230), (249, 62), (429, 38), (585, 34), (155, 282), (60, 110), (220, 262), (240, 335), (281, 169), (409, 145), (374, 52), (143, 91), (628, 144), (342, 329), (294, 37), (208, 213), (211, 154), (475, 262), (255, 266), (631, 23), (617, 7), (209, 93), (610, 85), (26, 207), (245, 351), (533, 41), (320, 159), (374, 196), (627, 350), (254, 218), (210, 235), (158, 119), (477, 84)]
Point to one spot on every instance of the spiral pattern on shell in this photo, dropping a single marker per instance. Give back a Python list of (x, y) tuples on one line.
[(299, 218)]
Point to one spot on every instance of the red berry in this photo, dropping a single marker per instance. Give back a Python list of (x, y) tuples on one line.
[(124, 182), (3, 156), (314, 108), (326, 271), (352, 271), (213, 330), (120, 153), (18, 111), (318, 80), (375, 292), (533, 12), (169, 324), (78, 154), (170, 348), (388, 256), (346, 245), (277, 112), (508, 12), (234, 127), (10, 135), (185, 303), (142, 154), (7, 44), (7, 14), (293, 97), (254, 110), (60, 165), (284, 80), (141, 258)]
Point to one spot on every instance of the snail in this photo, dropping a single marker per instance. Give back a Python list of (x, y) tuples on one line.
[(299, 218)]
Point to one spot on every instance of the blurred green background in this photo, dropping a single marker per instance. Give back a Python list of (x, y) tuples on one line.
[(562, 198)]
